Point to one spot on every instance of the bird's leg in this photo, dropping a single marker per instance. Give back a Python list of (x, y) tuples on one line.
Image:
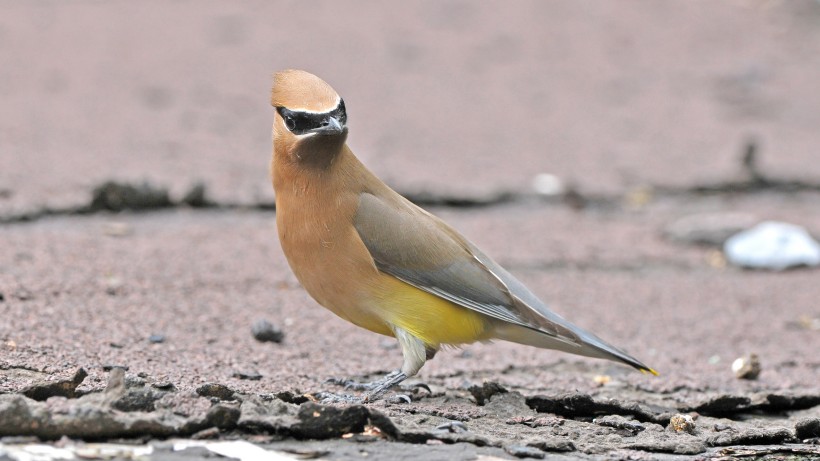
[(359, 386), (375, 389), (383, 385), (415, 353)]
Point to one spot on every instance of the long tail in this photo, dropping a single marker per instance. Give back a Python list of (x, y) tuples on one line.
[(589, 345)]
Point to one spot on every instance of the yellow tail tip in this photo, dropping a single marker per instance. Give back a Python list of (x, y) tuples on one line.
[(649, 371)]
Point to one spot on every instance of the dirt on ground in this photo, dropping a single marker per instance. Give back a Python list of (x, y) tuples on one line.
[(601, 152)]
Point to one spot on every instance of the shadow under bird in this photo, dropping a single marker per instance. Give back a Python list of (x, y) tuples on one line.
[(377, 260)]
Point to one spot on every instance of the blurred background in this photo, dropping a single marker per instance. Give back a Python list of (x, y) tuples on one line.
[(450, 98)]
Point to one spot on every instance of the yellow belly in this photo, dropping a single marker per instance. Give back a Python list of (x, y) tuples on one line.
[(433, 320)]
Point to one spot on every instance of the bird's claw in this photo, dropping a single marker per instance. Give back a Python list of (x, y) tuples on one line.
[(416, 386), (351, 385), (400, 398)]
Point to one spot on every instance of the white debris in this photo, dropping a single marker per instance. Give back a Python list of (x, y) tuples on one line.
[(44, 452), (548, 184), (34, 452), (238, 449), (772, 245)]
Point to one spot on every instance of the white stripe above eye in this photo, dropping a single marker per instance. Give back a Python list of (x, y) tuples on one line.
[(308, 111)]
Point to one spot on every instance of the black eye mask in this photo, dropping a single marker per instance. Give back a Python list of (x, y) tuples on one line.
[(298, 122)]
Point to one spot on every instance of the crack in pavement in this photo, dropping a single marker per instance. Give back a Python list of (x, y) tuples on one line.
[(120, 196), (544, 424)]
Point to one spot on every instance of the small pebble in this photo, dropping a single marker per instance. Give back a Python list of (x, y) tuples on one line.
[(287, 396), (220, 391), (483, 393), (602, 380), (163, 385), (747, 367), (249, 375), (156, 338), (265, 331), (682, 423), (548, 184), (110, 366), (113, 285), (808, 428)]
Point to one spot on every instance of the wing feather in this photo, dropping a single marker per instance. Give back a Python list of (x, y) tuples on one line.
[(418, 248)]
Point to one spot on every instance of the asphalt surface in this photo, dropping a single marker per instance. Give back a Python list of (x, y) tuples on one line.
[(644, 110), (452, 97)]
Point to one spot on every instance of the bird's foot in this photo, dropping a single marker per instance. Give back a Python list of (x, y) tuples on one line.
[(375, 389), (383, 385), (329, 398), (353, 385)]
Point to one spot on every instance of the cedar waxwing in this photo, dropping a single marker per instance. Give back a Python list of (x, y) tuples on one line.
[(377, 260)]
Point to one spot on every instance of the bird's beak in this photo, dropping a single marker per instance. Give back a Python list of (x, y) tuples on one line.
[(330, 125)]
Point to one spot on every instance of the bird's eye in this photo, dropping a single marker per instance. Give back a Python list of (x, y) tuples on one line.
[(290, 122)]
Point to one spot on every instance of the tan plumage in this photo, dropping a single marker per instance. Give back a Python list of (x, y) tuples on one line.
[(379, 261)]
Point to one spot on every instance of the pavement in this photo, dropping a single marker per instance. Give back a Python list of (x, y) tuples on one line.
[(137, 231)]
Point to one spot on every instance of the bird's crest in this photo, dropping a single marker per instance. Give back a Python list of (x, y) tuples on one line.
[(302, 91)]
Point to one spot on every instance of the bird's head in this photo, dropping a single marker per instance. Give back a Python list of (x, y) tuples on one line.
[(310, 123)]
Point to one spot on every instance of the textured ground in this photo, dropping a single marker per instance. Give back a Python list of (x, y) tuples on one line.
[(645, 109)]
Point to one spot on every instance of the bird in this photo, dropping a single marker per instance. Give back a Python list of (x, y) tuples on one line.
[(377, 260)]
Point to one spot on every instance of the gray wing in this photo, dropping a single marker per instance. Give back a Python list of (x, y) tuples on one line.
[(418, 248)]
